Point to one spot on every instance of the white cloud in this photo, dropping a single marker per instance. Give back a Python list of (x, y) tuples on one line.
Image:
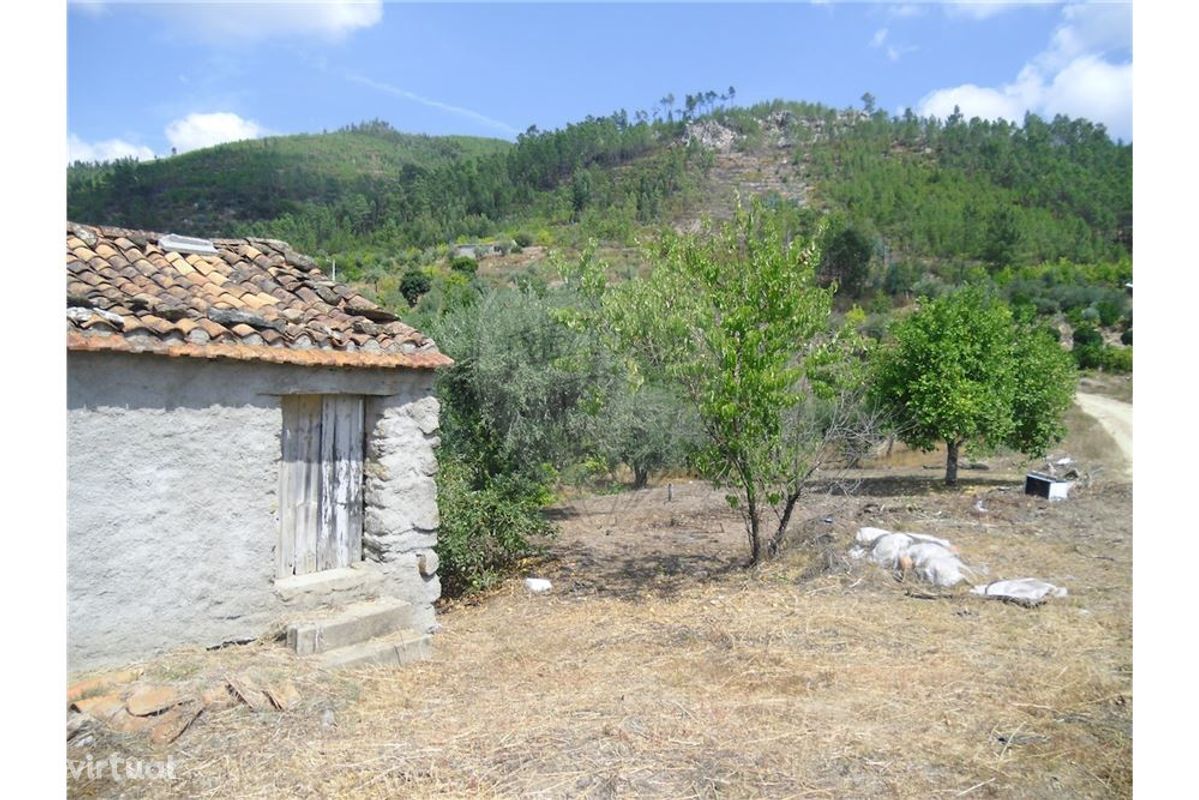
[(894, 51), (1089, 28), (974, 101), (1072, 76), (242, 20), (980, 9), (1092, 88), (205, 130), (92, 8), (906, 10), (107, 150)]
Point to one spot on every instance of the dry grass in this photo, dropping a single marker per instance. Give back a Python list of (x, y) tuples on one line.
[(660, 667)]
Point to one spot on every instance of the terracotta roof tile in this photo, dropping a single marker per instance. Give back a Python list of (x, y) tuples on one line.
[(255, 299)]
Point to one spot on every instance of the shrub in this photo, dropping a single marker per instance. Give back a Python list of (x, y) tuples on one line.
[(1110, 311), (900, 276), (929, 286), (1117, 359), (513, 414), (414, 284), (483, 532), (1086, 335), (1126, 337), (1088, 347), (523, 239), (1046, 306), (464, 264)]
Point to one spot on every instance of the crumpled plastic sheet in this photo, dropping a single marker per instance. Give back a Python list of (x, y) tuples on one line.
[(1025, 591), (936, 561), (933, 559)]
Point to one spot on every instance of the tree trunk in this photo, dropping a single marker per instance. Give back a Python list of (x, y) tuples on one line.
[(755, 544), (640, 477), (776, 541), (951, 464), (754, 526)]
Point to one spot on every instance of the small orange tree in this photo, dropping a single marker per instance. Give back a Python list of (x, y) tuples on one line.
[(961, 370), (733, 318)]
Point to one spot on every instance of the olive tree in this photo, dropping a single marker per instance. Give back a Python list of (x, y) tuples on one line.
[(961, 370)]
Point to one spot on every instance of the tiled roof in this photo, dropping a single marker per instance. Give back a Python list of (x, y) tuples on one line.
[(251, 300)]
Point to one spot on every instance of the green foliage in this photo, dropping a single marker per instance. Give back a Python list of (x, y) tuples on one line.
[(846, 260), (647, 428), (523, 239), (962, 371), (1088, 347), (995, 191), (1092, 352), (414, 284), (464, 264), (1117, 359), (963, 192), (727, 317), (516, 409), (1044, 380), (1003, 237), (484, 531)]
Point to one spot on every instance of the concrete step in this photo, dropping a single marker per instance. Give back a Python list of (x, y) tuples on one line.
[(391, 651), (351, 625)]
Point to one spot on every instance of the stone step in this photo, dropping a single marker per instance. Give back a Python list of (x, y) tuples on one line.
[(351, 625), (391, 651)]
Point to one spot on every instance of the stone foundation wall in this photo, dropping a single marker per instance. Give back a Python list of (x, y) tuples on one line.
[(400, 492)]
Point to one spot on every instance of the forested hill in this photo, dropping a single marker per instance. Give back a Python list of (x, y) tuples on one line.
[(208, 192), (958, 191)]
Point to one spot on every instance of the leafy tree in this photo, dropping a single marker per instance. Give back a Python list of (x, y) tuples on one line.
[(1003, 237), (962, 371), (515, 408), (414, 284), (648, 428), (847, 260), (731, 318)]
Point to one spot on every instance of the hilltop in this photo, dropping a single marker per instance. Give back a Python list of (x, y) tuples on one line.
[(920, 194), (210, 191)]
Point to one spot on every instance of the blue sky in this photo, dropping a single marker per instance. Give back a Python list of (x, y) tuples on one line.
[(188, 74)]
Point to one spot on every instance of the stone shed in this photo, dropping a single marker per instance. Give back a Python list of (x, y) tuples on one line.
[(251, 451)]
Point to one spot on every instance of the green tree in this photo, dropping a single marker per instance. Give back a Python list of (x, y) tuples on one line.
[(1003, 237), (847, 260), (515, 410), (731, 317), (414, 284), (647, 428), (962, 371)]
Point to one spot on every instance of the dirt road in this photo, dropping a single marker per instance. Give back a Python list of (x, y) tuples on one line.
[(1116, 418)]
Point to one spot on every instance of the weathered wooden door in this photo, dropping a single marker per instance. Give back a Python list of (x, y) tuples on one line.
[(320, 483)]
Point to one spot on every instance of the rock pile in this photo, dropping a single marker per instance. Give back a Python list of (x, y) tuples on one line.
[(120, 702)]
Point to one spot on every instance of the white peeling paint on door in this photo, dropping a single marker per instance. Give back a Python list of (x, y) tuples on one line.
[(320, 483)]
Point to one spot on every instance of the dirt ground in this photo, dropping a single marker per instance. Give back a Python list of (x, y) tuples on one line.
[(658, 666)]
